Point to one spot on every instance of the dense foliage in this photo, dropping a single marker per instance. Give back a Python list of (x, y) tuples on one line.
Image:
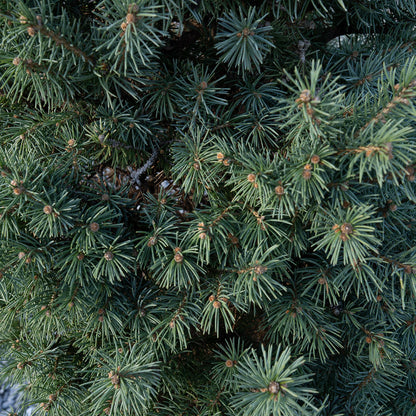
[(208, 207)]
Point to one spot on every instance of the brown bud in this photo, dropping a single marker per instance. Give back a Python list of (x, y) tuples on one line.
[(202, 236), (172, 324), (105, 197), (17, 191), (71, 142), (274, 387), (279, 190), (229, 363), (260, 269), (196, 166), (393, 207), (203, 85), (216, 304), (407, 268), (152, 241), (343, 237), (16, 61), (178, 257), (47, 209), (307, 166), (31, 31), (245, 32), (123, 26), (108, 255), (347, 228), (101, 318), (13, 183), (21, 255), (321, 280), (23, 20), (220, 156), (80, 256), (306, 174), (226, 162), (94, 227), (211, 298), (52, 397), (131, 18), (251, 177), (315, 159), (368, 340)]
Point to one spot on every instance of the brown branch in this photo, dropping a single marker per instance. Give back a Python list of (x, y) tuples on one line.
[(59, 40)]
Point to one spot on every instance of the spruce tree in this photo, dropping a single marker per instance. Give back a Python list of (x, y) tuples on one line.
[(208, 207)]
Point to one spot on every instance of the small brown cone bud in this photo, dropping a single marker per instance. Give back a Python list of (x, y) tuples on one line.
[(47, 209), (368, 340), (315, 159), (17, 191), (101, 318), (229, 363), (407, 269), (130, 18), (211, 298), (202, 236), (196, 166), (321, 280), (178, 257), (172, 324), (226, 162), (108, 255), (306, 174), (393, 207), (16, 61), (245, 32), (31, 31), (251, 177), (203, 85), (274, 387), (94, 227), (220, 156), (71, 142), (52, 397), (21, 255), (279, 190), (152, 241), (80, 256), (23, 20), (13, 183), (347, 228), (216, 304), (343, 237), (105, 197), (123, 26), (260, 269)]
